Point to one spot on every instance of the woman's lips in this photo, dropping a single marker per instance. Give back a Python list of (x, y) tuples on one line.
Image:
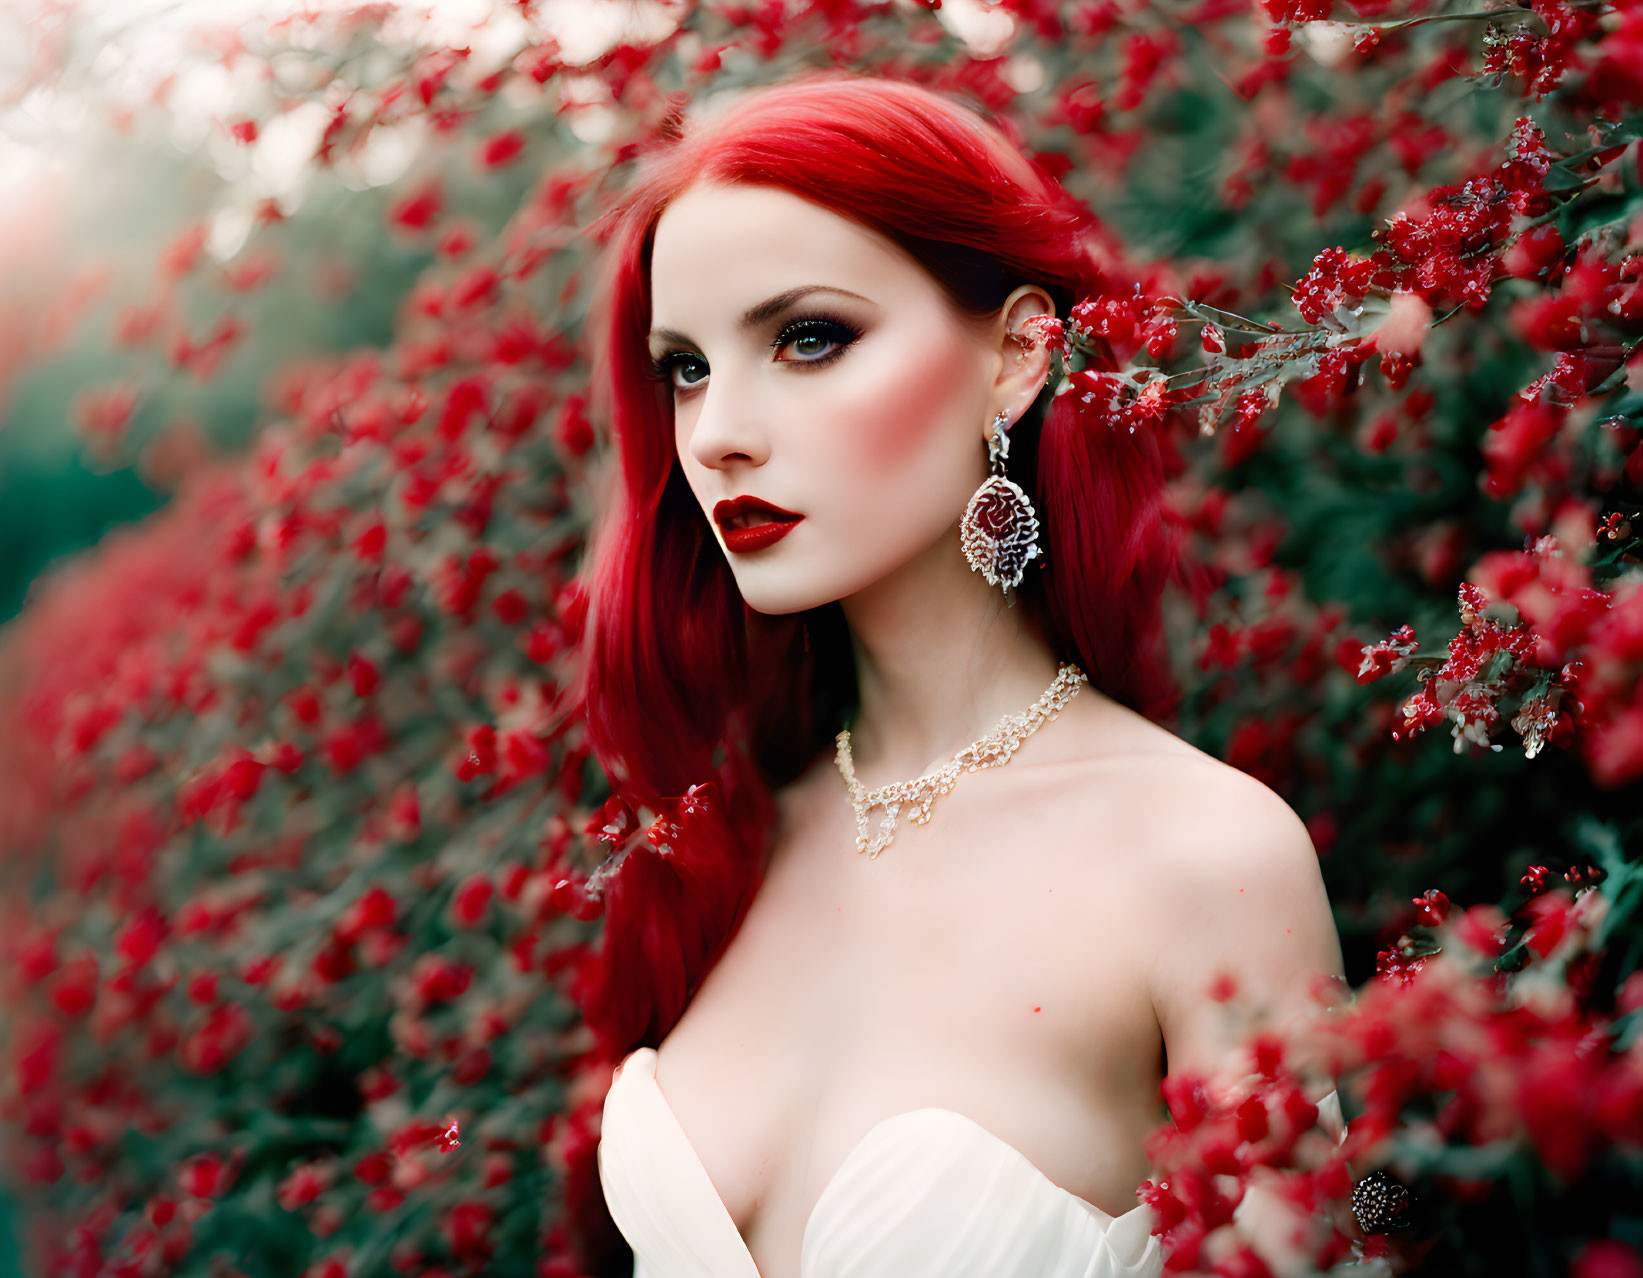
[(748, 523), (743, 541)]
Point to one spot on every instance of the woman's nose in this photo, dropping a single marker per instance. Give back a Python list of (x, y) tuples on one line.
[(727, 429)]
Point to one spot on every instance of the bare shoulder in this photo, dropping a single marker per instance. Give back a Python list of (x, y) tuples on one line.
[(1205, 832), (1176, 793), (1204, 816), (1226, 874)]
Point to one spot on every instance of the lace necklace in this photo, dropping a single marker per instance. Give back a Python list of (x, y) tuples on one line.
[(991, 751)]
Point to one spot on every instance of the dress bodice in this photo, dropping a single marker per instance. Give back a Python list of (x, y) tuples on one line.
[(925, 1192)]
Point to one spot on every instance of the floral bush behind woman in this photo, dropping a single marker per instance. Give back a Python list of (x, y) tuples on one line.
[(304, 851)]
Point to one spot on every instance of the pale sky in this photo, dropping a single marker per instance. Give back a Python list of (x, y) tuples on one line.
[(134, 44)]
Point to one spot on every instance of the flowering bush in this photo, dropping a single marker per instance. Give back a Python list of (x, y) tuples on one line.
[(1485, 1062), (304, 849)]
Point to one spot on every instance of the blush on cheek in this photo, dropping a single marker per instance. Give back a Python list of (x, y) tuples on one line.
[(910, 408)]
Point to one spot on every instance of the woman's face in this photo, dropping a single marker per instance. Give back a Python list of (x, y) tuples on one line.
[(816, 366)]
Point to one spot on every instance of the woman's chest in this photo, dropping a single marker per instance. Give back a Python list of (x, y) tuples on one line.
[(991, 963)]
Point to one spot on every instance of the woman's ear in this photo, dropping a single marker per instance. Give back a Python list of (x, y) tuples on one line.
[(1025, 363)]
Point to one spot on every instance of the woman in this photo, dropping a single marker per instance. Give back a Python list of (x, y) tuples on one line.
[(818, 339)]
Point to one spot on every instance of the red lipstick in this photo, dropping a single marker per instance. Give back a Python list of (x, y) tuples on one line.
[(750, 523)]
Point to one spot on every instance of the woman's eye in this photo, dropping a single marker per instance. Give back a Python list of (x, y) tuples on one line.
[(811, 338), (662, 370), (814, 341), (686, 362)]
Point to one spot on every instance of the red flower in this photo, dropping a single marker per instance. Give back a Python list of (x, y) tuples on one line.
[(404, 813), (103, 413), (1431, 907), (303, 1185), (334, 961), (1550, 915), (471, 290), (1187, 1101), (373, 1169), (362, 674), (471, 900), (75, 989), (502, 149), (1252, 1119), (1535, 878), (417, 210), (203, 1176), (472, 1066), (467, 1227), (1386, 656), (1536, 252), (1482, 928), (304, 703), (1607, 1258), (140, 939), (1392, 967), (457, 240), (1555, 1098), (436, 980), (510, 607), (1296, 10), (523, 755), (376, 908), (351, 743), (223, 1035), (377, 1083)]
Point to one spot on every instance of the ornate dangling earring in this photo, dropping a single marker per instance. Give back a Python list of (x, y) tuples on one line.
[(999, 530)]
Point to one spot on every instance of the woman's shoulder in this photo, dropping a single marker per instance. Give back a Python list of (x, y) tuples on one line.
[(1184, 836), (1106, 736), (1165, 794)]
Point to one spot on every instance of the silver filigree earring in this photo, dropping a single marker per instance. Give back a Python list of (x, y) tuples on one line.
[(999, 530)]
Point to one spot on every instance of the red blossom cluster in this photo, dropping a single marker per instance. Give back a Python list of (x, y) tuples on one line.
[(381, 570), (1445, 248), (1596, 635), (1227, 1151), (1387, 656), (1568, 627), (1524, 1047), (1101, 333), (1124, 325), (1539, 61), (1443, 1053), (1486, 661)]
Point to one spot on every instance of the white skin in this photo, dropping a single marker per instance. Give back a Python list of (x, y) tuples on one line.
[(878, 445)]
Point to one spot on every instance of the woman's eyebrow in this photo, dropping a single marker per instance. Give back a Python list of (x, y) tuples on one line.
[(765, 310)]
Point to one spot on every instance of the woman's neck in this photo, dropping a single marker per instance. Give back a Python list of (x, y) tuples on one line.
[(940, 659)]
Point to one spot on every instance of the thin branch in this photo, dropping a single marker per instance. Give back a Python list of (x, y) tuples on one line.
[(1472, 15)]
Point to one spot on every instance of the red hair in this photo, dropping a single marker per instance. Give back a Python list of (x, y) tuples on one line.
[(684, 685)]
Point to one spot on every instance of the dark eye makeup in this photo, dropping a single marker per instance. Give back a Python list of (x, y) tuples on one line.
[(816, 326)]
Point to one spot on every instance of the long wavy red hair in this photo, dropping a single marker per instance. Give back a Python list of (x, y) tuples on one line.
[(684, 685)]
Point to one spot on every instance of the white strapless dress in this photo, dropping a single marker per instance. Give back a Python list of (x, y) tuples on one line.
[(927, 1193)]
